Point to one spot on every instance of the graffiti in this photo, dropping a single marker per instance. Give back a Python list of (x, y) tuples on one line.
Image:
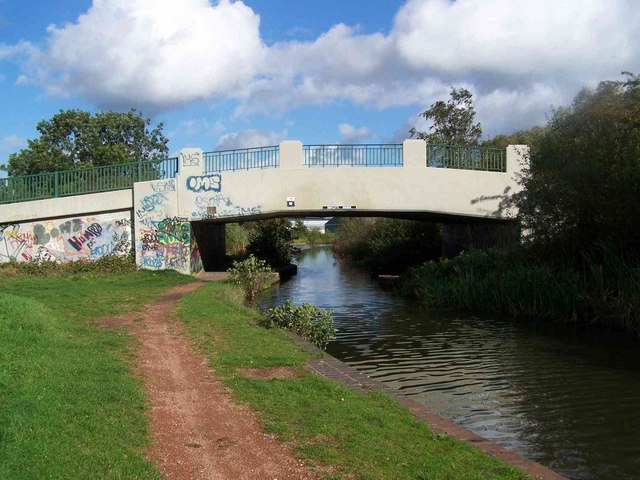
[(93, 231), (164, 187), (165, 244), (173, 229), (43, 255), (152, 261), (177, 263), (216, 200), (240, 212), (125, 222), (190, 159), (149, 204), (196, 259), (66, 240), (205, 183)]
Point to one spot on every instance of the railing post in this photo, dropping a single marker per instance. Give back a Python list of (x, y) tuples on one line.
[(56, 181), (291, 155), (139, 171), (414, 153)]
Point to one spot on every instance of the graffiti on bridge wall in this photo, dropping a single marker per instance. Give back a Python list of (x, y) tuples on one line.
[(166, 244), (215, 205), (66, 240), (205, 183)]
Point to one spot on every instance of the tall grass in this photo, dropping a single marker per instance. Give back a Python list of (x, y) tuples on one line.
[(237, 237), (605, 290)]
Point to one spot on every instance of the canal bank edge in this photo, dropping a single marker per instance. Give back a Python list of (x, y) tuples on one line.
[(330, 367)]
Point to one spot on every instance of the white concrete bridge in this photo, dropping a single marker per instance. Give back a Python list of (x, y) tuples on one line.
[(165, 218)]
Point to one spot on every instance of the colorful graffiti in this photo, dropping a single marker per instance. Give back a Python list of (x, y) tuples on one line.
[(66, 240), (165, 244)]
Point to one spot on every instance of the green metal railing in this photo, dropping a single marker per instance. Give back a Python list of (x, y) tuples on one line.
[(467, 157), (84, 180)]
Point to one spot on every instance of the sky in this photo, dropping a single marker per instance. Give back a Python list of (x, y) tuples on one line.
[(231, 74)]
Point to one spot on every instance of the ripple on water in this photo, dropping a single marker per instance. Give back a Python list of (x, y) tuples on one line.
[(564, 397)]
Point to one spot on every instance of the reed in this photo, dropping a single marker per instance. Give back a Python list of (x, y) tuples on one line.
[(602, 289)]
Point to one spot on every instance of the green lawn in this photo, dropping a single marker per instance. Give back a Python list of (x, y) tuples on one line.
[(359, 436), (70, 407)]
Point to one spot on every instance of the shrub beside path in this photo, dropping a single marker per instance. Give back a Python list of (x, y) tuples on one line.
[(198, 431)]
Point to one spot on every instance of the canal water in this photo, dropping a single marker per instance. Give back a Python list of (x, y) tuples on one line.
[(566, 397)]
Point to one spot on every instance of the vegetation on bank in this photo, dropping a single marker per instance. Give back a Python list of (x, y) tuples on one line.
[(251, 274), (70, 406), (387, 246), (346, 434), (311, 322), (274, 240), (579, 259), (603, 290), (100, 266)]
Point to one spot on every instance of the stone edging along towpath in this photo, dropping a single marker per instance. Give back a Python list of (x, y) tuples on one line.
[(331, 367)]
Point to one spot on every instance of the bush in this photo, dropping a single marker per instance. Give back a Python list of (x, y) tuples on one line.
[(252, 274), (309, 321), (101, 266)]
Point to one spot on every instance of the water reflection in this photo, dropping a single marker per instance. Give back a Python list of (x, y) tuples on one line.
[(564, 396)]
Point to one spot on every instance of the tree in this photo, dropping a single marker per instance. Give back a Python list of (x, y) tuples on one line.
[(271, 241), (532, 138), (74, 138), (452, 122), (583, 186)]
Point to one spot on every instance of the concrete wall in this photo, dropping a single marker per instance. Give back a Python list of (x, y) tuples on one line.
[(65, 207), (163, 239), (67, 239)]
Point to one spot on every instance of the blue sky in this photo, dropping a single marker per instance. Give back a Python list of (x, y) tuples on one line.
[(231, 74)]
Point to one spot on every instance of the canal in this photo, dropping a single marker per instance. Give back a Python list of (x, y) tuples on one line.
[(564, 396)]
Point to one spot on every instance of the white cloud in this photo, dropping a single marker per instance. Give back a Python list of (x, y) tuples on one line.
[(249, 138), (518, 37), (351, 134), (160, 54), (12, 143), (516, 56)]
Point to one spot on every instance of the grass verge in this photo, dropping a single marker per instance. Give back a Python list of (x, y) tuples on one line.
[(351, 435), (69, 405)]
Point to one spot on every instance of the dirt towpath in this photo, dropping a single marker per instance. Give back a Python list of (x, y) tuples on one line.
[(198, 431)]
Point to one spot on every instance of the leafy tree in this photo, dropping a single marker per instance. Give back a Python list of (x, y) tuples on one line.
[(583, 186), (272, 241), (532, 138), (452, 122), (74, 138)]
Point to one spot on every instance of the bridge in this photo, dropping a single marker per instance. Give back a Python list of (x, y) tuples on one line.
[(173, 211)]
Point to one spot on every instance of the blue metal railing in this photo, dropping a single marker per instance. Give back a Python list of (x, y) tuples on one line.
[(467, 157), (242, 159), (366, 155)]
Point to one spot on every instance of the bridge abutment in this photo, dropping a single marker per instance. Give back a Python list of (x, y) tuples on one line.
[(211, 243)]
